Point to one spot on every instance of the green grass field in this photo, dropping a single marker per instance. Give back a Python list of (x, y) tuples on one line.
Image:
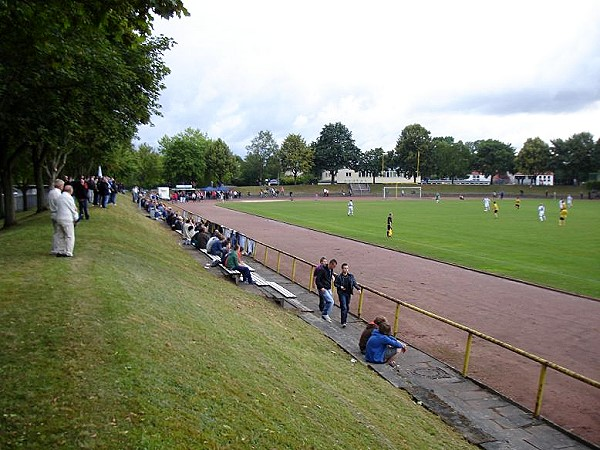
[(515, 245), (131, 344)]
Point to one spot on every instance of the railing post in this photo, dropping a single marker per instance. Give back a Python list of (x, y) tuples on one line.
[(265, 258), (294, 270), (540, 392), (278, 260), (360, 302), (310, 280), (396, 317), (465, 369)]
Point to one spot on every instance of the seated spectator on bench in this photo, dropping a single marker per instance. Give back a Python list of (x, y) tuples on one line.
[(366, 334), (201, 238), (188, 231), (214, 238), (383, 348), (234, 263), (217, 247)]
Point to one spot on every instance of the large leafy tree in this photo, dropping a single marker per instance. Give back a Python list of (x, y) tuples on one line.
[(150, 167), (184, 157), (74, 77), (493, 157), (296, 156), (534, 158), (262, 148), (450, 159), (221, 166), (335, 149), (372, 161), (572, 158), (413, 152)]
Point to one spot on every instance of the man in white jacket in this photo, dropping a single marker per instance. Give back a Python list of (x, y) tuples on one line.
[(53, 196), (66, 217)]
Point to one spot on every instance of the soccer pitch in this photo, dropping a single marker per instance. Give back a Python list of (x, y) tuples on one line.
[(516, 244)]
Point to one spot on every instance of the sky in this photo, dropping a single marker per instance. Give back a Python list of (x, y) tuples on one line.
[(507, 70)]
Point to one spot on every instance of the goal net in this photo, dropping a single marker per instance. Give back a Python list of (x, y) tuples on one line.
[(399, 191)]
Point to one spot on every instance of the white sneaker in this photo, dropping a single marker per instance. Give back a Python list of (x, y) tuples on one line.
[(326, 318)]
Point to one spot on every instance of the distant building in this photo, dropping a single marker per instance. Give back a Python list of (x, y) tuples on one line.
[(346, 176), (544, 179)]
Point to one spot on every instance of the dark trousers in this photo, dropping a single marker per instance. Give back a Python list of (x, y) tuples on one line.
[(83, 208)]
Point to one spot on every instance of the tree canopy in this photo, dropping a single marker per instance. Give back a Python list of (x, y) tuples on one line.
[(413, 151), (296, 156), (493, 157), (335, 149), (75, 79)]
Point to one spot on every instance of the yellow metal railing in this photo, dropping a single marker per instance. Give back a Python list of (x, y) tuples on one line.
[(309, 269), (471, 332)]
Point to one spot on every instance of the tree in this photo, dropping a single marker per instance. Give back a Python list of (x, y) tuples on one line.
[(150, 166), (450, 159), (262, 147), (534, 157), (335, 150), (493, 157), (413, 152), (296, 156), (184, 157), (572, 159), (220, 162), (372, 162), (86, 70)]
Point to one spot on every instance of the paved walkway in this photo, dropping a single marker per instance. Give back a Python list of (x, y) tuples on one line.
[(483, 417)]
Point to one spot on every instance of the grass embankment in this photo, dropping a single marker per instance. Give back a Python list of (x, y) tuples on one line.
[(131, 344), (516, 244)]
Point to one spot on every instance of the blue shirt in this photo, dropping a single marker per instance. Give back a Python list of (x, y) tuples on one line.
[(376, 345)]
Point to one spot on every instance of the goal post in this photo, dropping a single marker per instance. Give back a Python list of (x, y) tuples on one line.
[(401, 191)]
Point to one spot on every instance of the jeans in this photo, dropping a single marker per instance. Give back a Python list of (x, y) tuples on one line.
[(344, 305), (246, 275), (83, 208), (105, 201), (328, 298)]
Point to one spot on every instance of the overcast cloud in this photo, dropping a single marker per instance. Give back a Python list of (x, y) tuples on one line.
[(506, 70)]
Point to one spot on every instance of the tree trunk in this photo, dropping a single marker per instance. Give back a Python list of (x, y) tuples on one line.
[(39, 181), (10, 217), (24, 188)]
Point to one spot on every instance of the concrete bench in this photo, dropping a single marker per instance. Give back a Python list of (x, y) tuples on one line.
[(236, 275)]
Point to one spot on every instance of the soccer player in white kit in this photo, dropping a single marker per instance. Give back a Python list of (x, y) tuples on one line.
[(350, 208), (541, 212)]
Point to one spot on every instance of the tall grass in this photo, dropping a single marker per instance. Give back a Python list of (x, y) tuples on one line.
[(516, 244), (131, 344)]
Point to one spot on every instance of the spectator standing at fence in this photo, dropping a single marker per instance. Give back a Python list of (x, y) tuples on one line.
[(53, 197), (382, 347), (80, 191), (324, 280), (322, 265), (389, 230), (103, 192), (345, 284), (366, 334), (66, 218)]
